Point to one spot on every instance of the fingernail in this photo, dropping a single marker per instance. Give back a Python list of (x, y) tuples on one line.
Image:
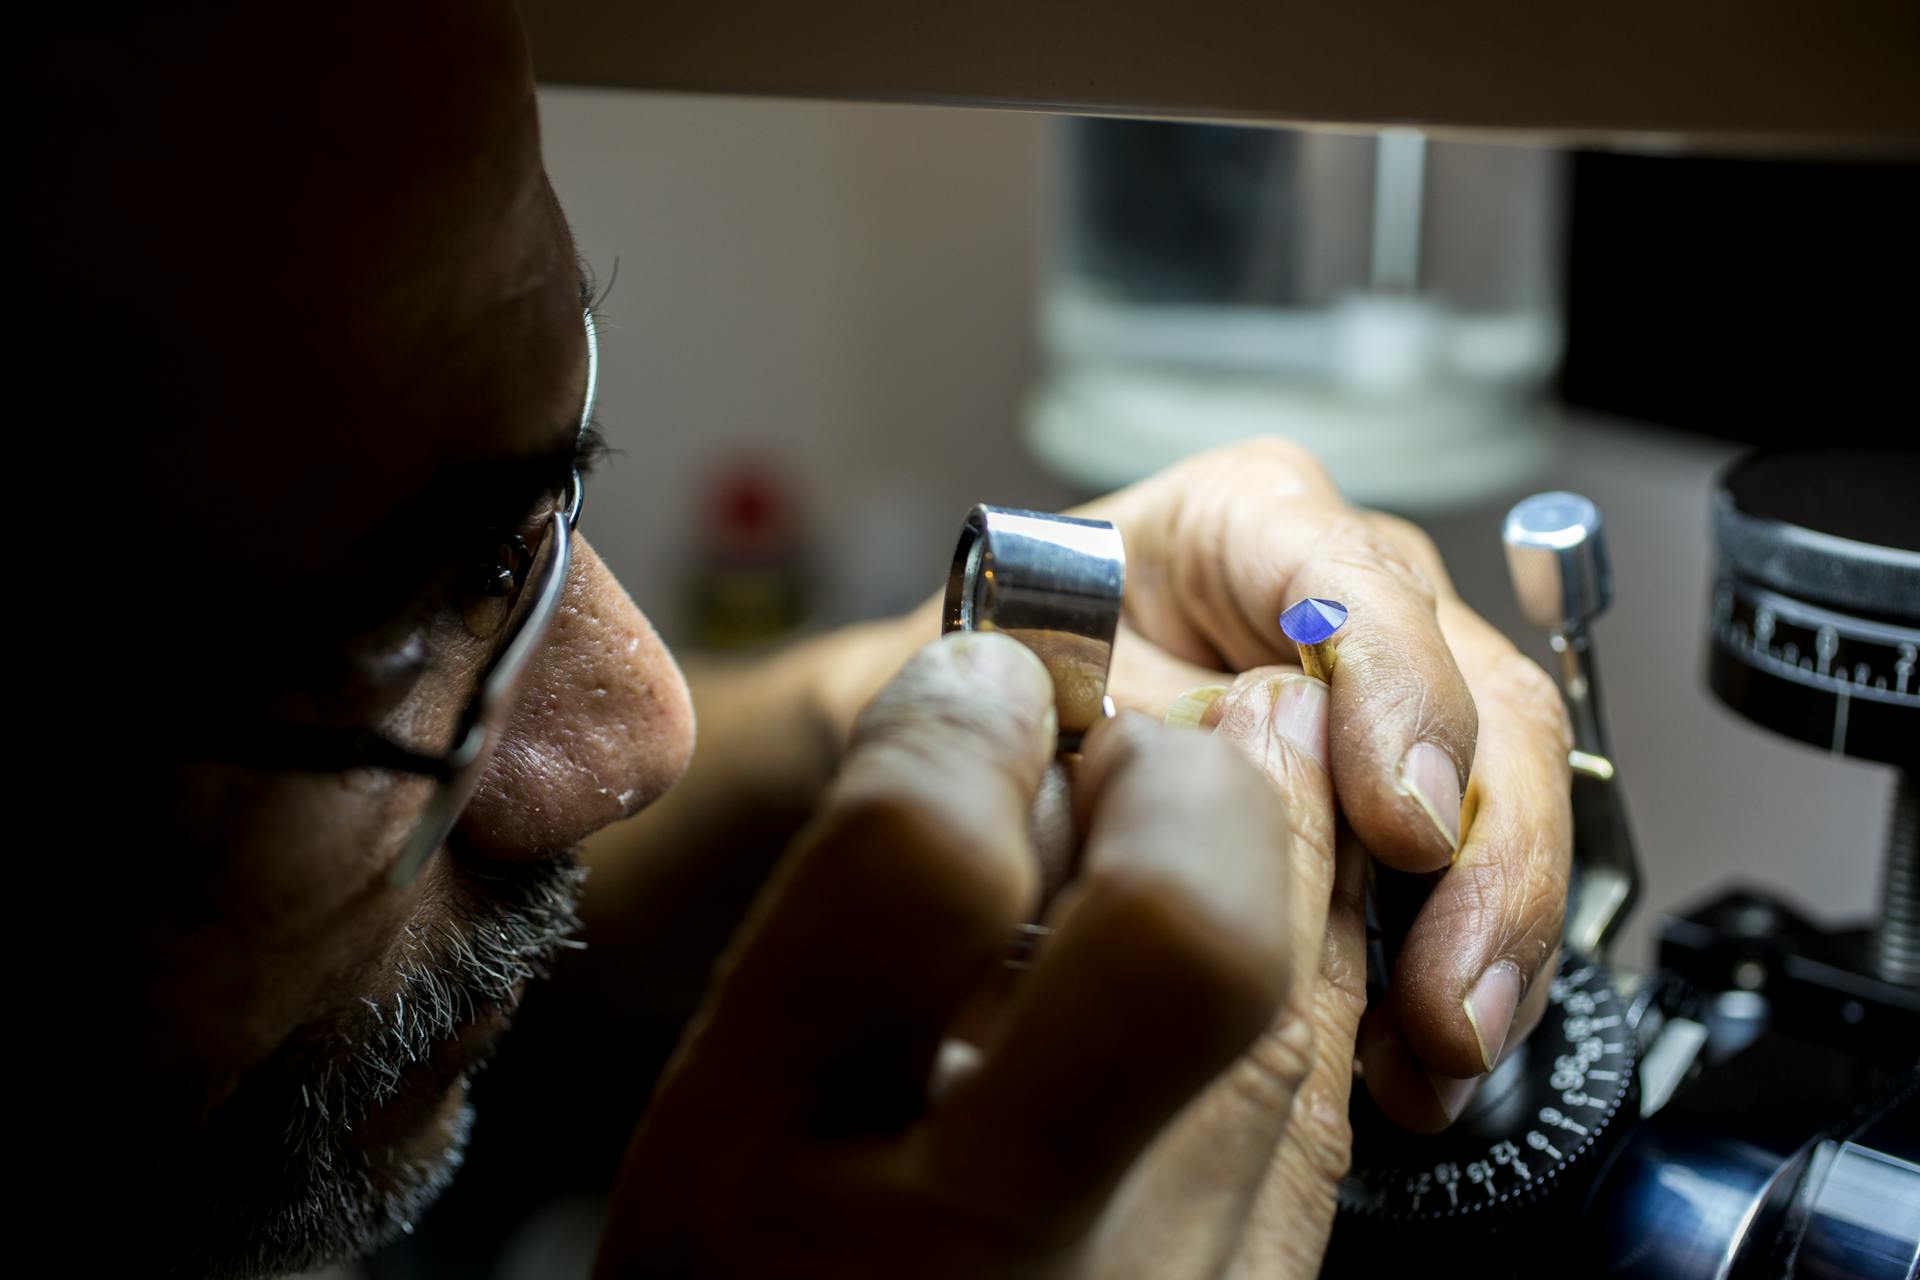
[(1187, 710), (1427, 774), (1490, 1007), (1453, 1095), (1300, 715)]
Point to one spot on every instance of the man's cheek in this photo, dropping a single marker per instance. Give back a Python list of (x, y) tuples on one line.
[(298, 919)]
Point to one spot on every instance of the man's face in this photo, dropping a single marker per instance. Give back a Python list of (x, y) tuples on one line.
[(359, 366)]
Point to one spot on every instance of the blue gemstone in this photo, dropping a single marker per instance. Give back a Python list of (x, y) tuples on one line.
[(1311, 621)]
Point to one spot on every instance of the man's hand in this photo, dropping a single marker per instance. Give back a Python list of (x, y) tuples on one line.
[(1127, 1105), (1448, 748)]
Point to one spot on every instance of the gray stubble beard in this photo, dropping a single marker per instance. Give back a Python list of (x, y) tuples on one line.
[(266, 1196)]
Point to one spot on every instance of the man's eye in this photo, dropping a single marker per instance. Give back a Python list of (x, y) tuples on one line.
[(493, 584)]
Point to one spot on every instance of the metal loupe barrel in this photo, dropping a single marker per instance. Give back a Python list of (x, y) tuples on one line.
[(1054, 583)]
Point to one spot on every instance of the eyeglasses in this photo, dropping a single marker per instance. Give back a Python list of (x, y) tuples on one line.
[(456, 772)]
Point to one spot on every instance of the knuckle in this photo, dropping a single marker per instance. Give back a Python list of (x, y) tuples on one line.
[(1290, 456), (1357, 541), (1514, 900), (1276, 457), (1549, 866), (1478, 894), (1322, 1134), (1325, 1142), (1411, 542), (1270, 1073), (1518, 683)]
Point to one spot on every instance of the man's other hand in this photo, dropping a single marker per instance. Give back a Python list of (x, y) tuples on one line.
[(1122, 1107)]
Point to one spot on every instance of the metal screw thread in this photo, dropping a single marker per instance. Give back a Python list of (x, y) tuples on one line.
[(1896, 943)]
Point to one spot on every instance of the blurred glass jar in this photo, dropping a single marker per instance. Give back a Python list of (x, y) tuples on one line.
[(1389, 302)]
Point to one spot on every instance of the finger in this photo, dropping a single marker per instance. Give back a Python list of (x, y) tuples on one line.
[(1056, 848), (1492, 923), (1278, 720), (1406, 725), (1400, 1084), (1147, 676), (892, 905), (1286, 1234), (1413, 1095), (1180, 1209), (1169, 956)]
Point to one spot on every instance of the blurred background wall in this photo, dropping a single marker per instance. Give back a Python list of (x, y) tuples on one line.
[(842, 290)]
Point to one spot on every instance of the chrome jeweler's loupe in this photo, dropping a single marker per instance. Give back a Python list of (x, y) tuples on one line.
[(1055, 584)]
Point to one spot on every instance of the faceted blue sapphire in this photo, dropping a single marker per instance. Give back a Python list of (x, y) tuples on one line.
[(1311, 620)]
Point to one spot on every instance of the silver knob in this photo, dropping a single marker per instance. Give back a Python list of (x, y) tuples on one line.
[(1558, 558)]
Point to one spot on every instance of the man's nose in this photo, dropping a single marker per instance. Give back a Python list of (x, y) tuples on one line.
[(603, 727)]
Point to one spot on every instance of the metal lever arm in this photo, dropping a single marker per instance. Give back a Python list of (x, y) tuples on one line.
[(1557, 555)]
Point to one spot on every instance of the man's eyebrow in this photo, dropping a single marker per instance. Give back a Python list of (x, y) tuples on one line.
[(446, 522), (500, 491), (448, 518)]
